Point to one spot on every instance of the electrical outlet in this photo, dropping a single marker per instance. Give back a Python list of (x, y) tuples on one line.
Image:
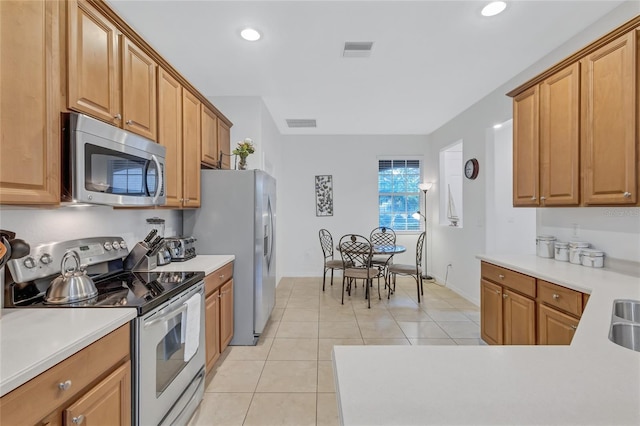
[(576, 229)]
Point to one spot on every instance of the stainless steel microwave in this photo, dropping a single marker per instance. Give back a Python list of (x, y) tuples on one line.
[(103, 164)]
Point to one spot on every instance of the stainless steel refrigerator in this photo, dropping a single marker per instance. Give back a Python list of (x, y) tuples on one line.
[(237, 216)]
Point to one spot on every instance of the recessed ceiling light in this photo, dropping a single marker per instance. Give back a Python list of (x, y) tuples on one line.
[(493, 8), (497, 126), (250, 34)]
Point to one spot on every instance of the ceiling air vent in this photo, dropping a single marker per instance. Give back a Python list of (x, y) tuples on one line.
[(357, 49), (301, 122)]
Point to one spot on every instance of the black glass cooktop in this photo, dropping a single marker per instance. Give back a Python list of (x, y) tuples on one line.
[(141, 290)]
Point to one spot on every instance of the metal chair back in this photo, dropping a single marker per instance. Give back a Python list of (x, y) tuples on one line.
[(356, 250), (419, 248), (326, 242), (383, 236)]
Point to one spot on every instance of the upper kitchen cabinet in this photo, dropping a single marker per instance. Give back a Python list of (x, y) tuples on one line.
[(109, 76), (575, 127), (525, 148), (560, 138), (191, 138), (170, 134), (224, 144), (209, 123), (609, 142), (30, 82)]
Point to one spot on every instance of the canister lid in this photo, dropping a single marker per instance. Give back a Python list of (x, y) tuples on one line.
[(545, 238), (155, 220), (561, 244), (592, 252), (578, 244)]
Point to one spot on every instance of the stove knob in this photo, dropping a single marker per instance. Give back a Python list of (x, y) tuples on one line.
[(29, 262), (115, 245), (107, 246), (123, 245), (46, 259)]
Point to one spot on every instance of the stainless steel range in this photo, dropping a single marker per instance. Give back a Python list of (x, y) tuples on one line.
[(168, 343)]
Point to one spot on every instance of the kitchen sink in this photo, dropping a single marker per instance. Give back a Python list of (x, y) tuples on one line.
[(626, 334), (627, 309)]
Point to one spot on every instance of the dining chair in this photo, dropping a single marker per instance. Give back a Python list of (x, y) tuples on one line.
[(356, 252), (383, 236), (413, 270), (326, 242)]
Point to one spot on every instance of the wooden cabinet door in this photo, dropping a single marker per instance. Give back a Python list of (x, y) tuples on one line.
[(560, 138), (93, 67), (224, 144), (491, 312), (519, 315), (138, 91), (210, 152), (525, 148), (170, 134), (609, 146), (191, 149), (212, 328), (226, 314), (30, 102), (107, 403), (554, 327)]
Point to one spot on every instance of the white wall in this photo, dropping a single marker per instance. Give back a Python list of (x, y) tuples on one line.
[(353, 162), (458, 247), (451, 179), (36, 225), (509, 229)]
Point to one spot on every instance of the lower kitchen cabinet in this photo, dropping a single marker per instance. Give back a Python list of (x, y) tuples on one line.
[(92, 386), (506, 316), (517, 309), (218, 312), (555, 327)]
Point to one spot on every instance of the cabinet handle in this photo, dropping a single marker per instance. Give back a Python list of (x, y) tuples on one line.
[(574, 327), (77, 420), (533, 198), (497, 291), (501, 276), (556, 296), (627, 195), (221, 277), (117, 117), (505, 295), (129, 122), (543, 198), (65, 385)]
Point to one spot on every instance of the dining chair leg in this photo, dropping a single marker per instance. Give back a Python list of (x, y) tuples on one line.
[(421, 285), (324, 277), (418, 287), (368, 293), (343, 278), (331, 278)]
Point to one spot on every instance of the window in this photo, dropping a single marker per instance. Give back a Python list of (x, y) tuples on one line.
[(398, 194)]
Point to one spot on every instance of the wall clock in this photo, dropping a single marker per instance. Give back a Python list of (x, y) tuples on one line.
[(471, 168)]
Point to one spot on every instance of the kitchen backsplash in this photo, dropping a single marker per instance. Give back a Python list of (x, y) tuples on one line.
[(614, 230), (38, 225)]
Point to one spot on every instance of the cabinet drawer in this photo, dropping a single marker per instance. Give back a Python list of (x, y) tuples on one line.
[(560, 297), (508, 278), (217, 278), (41, 395)]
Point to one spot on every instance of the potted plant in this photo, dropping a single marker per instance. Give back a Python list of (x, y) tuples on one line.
[(243, 150)]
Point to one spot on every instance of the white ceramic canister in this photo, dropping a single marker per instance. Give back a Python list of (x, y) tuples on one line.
[(562, 251), (545, 245), (592, 258), (575, 247)]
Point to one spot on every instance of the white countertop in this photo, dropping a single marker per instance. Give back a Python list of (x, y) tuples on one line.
[(34, 340), (202, 262), (591, 381)]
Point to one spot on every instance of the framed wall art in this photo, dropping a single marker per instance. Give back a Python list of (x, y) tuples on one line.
[(324, 195)]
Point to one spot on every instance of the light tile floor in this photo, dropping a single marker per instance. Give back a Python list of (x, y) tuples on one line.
[(287, 379)]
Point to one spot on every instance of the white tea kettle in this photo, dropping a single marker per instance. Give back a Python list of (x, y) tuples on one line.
[(74, 285)]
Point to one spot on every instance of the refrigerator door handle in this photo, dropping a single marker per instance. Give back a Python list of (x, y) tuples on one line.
[(268, 239)]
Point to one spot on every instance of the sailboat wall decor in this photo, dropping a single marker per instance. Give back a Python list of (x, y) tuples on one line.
[(451, 210)]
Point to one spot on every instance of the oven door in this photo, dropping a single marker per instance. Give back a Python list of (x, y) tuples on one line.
[(168, 383)]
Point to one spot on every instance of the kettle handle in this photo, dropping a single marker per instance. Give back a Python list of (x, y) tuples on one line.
[(71, 254)]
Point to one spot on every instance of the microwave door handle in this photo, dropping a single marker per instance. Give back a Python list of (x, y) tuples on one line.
[(158, 179)]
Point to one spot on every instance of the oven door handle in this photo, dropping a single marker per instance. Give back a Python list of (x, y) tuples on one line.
[(166, 317)]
